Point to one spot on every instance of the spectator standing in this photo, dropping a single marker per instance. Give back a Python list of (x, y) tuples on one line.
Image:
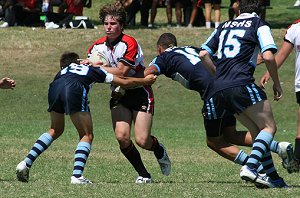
[(233, 9), (195, 12), (209, 5), (131, 8), (155, 4)]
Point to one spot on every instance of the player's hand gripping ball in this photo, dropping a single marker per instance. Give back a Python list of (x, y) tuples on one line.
[(99, 58)]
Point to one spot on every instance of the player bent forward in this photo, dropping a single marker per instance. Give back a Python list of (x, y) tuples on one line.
[(68, 95)]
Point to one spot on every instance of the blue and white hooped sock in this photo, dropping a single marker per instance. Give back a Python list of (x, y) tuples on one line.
[(259, 148), (43, 142), (81, 154)]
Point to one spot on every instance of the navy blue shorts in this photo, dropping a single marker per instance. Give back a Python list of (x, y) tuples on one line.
[(139, 99), (67, 98), (215, 128), (216, 119), (238, 99)]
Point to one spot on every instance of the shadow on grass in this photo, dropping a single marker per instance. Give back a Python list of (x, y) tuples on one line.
[(245, 185)]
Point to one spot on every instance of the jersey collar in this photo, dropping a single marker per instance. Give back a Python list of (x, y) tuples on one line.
[(113, 43)]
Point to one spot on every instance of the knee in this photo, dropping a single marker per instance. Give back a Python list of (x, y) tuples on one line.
[(123, 139), (211, 144), (55, 133), (143, 142), (215, 143)]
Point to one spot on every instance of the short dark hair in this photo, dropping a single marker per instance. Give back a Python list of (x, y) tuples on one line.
[(249, 6), (114, 10), (167, 40), (67, 58)]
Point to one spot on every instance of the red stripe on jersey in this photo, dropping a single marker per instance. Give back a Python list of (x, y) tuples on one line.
[(97, 42), (297, 21), (132, 48)]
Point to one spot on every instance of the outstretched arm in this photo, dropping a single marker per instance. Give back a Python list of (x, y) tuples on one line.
[(151, 70), (7, 83), (127, 82)]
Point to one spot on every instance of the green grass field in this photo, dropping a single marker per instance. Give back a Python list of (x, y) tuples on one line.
[(31, 58)]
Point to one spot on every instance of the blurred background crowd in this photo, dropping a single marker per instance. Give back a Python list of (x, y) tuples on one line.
[(54, 14)]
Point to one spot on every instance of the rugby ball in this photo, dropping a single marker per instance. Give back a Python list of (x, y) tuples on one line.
[(97, 57)]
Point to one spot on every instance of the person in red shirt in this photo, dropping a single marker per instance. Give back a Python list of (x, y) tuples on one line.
[(67, 10), (22, 12)]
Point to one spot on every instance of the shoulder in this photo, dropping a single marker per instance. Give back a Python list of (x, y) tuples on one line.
[(129, 40), (294, 26), (292, 32), (100, 40)]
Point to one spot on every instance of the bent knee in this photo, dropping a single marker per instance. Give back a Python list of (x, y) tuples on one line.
[(143, 142), (214, 143)]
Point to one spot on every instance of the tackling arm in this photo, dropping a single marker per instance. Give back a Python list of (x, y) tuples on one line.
[(206, 60), (127, 82), (121, 69), (151, 70)]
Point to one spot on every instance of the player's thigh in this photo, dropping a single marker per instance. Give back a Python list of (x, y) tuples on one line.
[(261, 114), (82, 122), (121, 119), (57, 123), (142, 124), (248, 123)]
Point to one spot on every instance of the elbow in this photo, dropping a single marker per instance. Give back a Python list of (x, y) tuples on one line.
[(203, 54), (268, 56)]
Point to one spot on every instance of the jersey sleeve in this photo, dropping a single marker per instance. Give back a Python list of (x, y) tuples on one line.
[(292, 32), (211, 44), (96, 43), (159, 63), (99, 75), (265, 37), (132, 50)]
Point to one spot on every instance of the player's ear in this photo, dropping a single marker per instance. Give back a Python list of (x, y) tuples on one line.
[(160, 49)]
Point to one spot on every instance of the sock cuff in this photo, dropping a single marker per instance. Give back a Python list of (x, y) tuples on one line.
[(266, 136), (46, 137), (84, 146), (154, 143), (128, 148)]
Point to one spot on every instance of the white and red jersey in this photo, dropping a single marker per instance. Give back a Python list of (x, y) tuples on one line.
[(125, 49), (292, 36)]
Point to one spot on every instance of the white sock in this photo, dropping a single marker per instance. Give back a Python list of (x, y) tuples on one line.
[(217, 24), (208, 25)]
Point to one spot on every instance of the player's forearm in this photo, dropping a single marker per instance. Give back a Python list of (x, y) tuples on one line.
[(273, 71), (207, 62)]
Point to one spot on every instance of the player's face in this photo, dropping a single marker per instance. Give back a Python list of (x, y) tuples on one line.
[(112, 27)]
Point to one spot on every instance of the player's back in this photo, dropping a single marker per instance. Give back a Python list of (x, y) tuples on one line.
[(237, 44), (80, 73), (184, 65)]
